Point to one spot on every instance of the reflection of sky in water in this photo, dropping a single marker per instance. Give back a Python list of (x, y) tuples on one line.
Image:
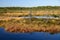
[(38, 17), (28, 36)]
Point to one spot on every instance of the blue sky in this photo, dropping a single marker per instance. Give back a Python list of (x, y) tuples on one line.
[(29, 3)]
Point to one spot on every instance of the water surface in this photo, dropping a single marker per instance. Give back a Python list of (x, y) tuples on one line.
[(46, 17), (28, 36)]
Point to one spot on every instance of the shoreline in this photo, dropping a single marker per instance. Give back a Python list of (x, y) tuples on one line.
[(37, 25), (51, 29)]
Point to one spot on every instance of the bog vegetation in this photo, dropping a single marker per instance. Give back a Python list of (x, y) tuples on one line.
[(25, 24), (36, 11), (36, 25)]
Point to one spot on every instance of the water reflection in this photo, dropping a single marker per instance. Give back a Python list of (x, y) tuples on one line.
[(28, 36), (46, 17)]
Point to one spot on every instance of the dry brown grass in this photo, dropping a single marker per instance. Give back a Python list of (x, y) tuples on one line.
[(22, 26), (39, 12), (28, 28)]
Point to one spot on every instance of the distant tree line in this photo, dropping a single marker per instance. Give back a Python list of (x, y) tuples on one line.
[(7, 9), (24, 8)]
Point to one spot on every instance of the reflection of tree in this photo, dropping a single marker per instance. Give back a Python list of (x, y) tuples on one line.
[(31, 33), (52, 33)]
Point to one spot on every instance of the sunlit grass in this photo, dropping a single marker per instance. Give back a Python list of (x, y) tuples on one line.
[(36, 24)]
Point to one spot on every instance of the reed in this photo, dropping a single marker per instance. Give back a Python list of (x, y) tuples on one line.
[(37, 25)]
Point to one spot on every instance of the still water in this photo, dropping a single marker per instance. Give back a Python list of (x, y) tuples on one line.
[(28, 36), (46, 17)]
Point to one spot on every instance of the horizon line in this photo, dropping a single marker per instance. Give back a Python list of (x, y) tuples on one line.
[(24, 6)]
